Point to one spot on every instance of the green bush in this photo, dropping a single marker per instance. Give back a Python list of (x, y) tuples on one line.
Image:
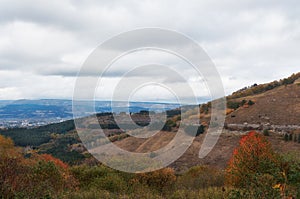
[(200, 177), (211, 193), (89, 194), (111, 182), (266, 132), (290, 137), (251, 194), (250, 103), (86, 175), (233, 105), (286, 137), (194, 130)]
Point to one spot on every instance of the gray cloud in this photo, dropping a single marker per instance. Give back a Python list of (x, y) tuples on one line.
[(249, 41)]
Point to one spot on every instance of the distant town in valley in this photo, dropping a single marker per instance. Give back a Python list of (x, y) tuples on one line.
[(33, 113)]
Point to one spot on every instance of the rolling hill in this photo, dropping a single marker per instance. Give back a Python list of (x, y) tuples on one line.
[(279, 106)]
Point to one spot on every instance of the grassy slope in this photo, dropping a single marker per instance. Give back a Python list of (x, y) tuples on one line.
[(279, 106)]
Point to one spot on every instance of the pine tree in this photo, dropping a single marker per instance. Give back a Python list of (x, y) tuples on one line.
[(286, 137), (290, 137)]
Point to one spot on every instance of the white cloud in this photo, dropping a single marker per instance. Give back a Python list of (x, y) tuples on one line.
[(28, 85), (44, 43)]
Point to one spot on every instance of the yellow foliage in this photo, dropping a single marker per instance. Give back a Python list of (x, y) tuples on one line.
[(161, 178), (229, 110), (5, 143)]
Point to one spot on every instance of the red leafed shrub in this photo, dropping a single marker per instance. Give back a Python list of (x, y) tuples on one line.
[(251, 160), (57, 162)]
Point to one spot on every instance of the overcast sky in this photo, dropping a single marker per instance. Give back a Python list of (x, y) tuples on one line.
[(43, 44)]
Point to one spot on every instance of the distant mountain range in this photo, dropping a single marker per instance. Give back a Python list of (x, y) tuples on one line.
[(26, 113)]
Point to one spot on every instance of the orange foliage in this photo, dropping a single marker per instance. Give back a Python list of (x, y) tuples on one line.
[(5, 143), (229, 110), (253, 156), (31, 177), (57, 162)]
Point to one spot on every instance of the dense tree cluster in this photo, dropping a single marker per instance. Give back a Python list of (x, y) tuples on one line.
[(39, 135)]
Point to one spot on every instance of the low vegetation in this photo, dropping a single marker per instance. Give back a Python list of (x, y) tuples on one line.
[(235, 104), (254, 171), (293, 136)]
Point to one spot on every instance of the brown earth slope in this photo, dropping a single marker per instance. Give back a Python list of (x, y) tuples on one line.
[(218, 157), (280, 106)]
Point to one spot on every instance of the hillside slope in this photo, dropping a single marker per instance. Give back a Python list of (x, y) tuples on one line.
[(279, 106), (218, 157)]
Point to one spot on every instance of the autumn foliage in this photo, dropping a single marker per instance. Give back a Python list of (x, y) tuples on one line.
[(254, 168), (254, 171), (57, 162), (253, 159), (35, 177), (160, 179)]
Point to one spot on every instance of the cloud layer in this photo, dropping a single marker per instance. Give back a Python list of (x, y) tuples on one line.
[(44, 43)]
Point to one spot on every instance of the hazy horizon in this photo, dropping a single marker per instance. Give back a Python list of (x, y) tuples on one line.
[(105, 100)]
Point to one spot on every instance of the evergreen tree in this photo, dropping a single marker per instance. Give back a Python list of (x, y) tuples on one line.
[(286, 137)]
